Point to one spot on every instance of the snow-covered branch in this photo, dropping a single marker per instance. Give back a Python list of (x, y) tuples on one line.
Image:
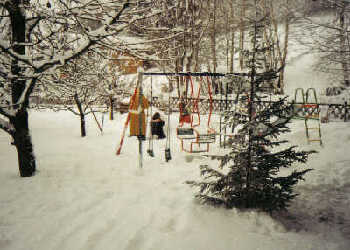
[(52, 36), (6, 126)]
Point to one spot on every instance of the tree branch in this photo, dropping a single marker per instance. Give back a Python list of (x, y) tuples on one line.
[(6, 126)]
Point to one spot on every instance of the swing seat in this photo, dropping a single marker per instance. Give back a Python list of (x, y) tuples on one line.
[(185, 133), (310, 106), (199, 151), (202, 139), (196, 139), (205, 138)]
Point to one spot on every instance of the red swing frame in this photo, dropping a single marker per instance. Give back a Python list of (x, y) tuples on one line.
[(192, 133)]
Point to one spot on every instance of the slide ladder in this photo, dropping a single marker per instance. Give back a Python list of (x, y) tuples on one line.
[(311, 119)]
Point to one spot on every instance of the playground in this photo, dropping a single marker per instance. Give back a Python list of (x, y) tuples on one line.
[(89, 198), (174, 125), (207, 107)]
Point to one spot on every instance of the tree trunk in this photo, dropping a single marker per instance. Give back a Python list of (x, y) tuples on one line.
[(196, 58), (285, 50), (23, 142), (81, 114), (343, 47), (251, 106), (178, 81), (281, 55), (227, 37), (82, 125), (111, 104), (213, 37), (232, 52), (21, 136), (241, 34)]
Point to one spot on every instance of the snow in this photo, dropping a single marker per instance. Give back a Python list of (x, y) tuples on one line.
[(85, 197)]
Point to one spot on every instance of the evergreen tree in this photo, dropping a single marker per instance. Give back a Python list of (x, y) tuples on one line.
[(249, 175)]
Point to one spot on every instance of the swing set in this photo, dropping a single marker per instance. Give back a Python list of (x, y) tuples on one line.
[(99, 125), (150, 144), (191, 134), (140, 133), (188, 132)]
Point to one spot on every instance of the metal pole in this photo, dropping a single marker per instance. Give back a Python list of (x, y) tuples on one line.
[(226, 108), (220, 110), (139, 79)]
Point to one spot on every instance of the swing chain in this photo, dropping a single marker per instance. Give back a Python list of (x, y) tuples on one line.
[(150, 142), (167, 146)]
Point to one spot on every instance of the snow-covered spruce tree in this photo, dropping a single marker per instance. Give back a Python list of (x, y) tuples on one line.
[(249, 175)]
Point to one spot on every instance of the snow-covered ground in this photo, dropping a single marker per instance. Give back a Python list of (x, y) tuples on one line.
[(86, 197)]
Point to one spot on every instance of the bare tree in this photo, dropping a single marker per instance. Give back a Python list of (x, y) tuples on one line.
[(276, 33), (77, 87), (242, 31), (233, 37), (329, 37), (38, 37)]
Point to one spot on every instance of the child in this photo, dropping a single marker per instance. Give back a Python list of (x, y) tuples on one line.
[(157, 125), (136, 112)]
